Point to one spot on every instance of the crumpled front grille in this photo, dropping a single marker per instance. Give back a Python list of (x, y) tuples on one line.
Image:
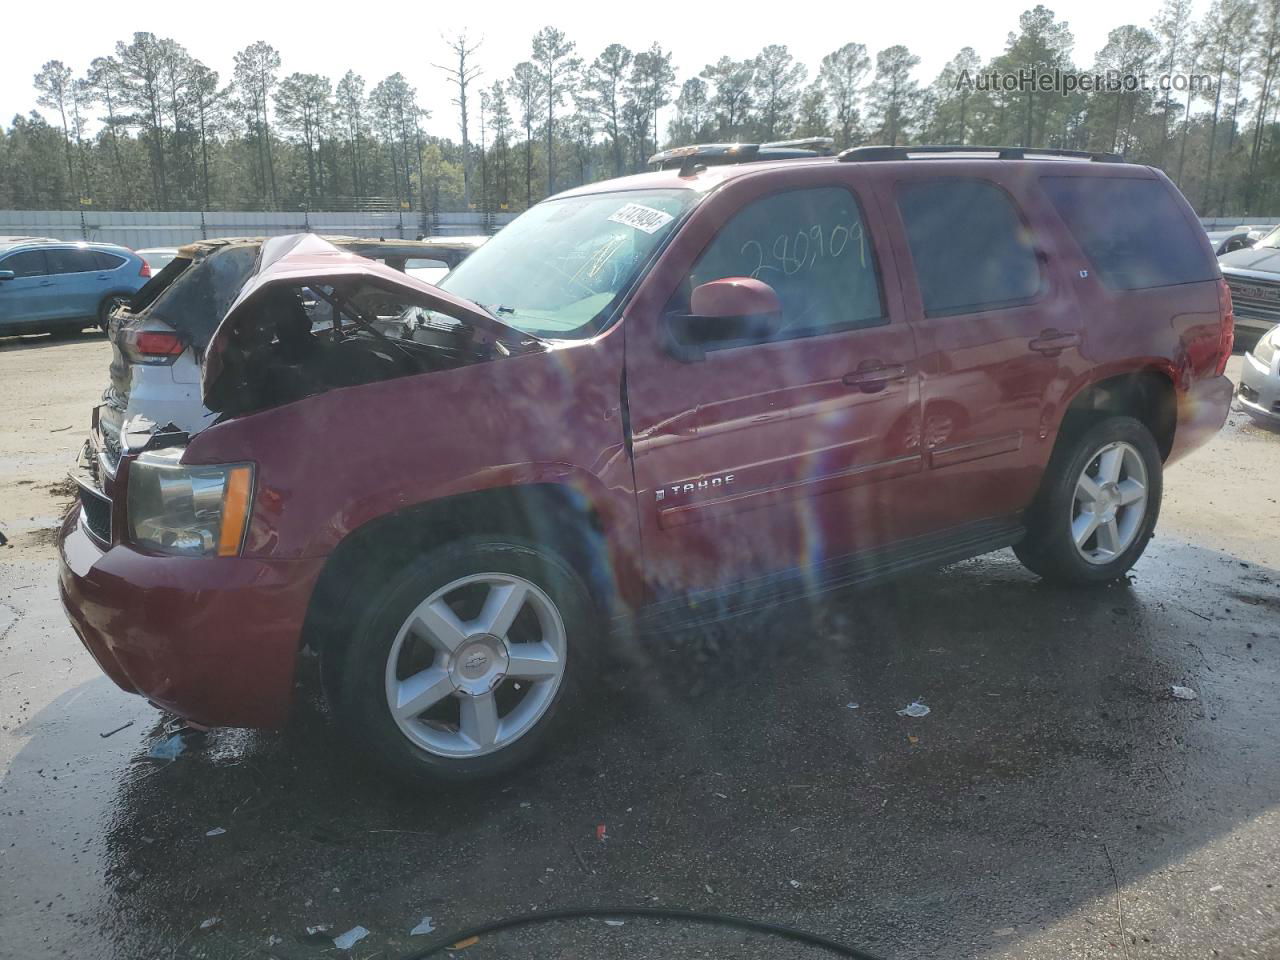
[(95, 512), (1255, 298)]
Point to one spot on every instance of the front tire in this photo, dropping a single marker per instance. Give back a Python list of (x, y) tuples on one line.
[(1098, 504), (462, 663)]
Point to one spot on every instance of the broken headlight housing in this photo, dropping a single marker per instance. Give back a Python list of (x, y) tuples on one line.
[(190, 511)]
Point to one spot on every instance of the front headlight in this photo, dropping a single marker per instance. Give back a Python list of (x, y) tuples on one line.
[(1265, 351), (192, 511)]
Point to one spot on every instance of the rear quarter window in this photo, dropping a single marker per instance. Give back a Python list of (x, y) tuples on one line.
[(1132, 231)]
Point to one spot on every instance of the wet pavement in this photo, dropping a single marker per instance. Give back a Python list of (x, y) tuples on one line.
[(1057, 801)]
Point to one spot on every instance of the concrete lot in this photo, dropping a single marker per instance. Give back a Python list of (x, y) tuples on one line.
[(1056, 802)]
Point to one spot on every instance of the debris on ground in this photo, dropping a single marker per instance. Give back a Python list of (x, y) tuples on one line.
[(215, 832), (1183, 693), (463, 944), (795, 884), (601, 833), (110, 733), (349, 939), (210, 923), (425, 925), (914, 709), (614, 923), (168, 750), (318, 932), (851, 705), (273, 940)]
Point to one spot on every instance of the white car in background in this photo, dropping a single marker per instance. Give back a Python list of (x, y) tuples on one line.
[(1259, 390), (453, 250), (157, 257)]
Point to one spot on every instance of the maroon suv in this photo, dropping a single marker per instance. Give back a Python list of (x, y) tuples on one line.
[(682, 394)]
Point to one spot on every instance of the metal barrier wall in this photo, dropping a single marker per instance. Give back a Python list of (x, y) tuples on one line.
[(152, 229)]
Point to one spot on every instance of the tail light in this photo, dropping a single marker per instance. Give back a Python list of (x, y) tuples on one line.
[(1227, 334), (146, 269), (156, 347)]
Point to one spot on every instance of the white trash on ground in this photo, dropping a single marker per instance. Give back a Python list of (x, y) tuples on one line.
[(1183, 693), (425, 925), (349, 939), (914, 709)]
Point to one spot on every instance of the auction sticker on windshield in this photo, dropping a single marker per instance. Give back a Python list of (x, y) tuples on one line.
[(641, 217)]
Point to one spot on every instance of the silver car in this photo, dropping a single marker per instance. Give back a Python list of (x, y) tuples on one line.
[(1259, 390), (157, 339)]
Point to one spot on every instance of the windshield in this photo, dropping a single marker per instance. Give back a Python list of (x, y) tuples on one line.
[(559, 270)]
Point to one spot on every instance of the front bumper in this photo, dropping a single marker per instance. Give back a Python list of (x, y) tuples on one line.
[(1259, 390), (1202, 410), (214, 640)]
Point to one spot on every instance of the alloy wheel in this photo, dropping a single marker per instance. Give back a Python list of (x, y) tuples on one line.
[(476, 665), (1110, 502)]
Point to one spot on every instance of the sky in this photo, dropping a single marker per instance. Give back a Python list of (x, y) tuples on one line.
[(384, 37)]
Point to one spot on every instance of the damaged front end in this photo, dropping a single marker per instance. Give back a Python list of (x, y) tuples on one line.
[(313, 318)]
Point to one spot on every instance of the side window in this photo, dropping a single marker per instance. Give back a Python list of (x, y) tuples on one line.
[(418, 263), (106, 261), (71, 261), (1131, 230), (812, 248), (970, 248), (26, 263)]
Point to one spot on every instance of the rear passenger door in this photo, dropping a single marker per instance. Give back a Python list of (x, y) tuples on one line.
[(79, 284), (997, 332)]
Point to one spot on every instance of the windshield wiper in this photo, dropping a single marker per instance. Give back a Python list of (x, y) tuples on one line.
[(507, 311)]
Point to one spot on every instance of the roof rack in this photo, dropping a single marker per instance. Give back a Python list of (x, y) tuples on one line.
[(696, 156), (861, 154)]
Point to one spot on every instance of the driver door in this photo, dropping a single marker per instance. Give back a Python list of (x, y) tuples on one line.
[(778, 455)]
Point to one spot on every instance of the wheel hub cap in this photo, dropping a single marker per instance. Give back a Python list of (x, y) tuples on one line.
[(479, 665), (1110, 502), (464, 687)]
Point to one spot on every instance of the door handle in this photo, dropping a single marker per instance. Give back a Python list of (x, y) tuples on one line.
[(874, 374), (1053, 342)]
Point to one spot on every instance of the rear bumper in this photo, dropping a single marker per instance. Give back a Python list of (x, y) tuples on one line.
[(1202, 410), (214, 640), (1259, 390)]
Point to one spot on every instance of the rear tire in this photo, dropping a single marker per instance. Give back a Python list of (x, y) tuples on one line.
[(463, 662), (1098, 504)]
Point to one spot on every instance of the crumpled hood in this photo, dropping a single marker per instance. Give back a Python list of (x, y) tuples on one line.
[(304, 258)]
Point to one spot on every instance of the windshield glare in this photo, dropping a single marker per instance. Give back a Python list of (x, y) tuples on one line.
[(558, 270), (1271, 240)]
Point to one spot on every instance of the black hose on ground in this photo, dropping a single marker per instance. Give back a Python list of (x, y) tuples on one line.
[(447, 942)]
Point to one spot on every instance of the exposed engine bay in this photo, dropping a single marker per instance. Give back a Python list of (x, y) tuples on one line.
[(291, 342)]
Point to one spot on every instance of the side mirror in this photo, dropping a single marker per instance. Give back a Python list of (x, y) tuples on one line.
[(733, 310), (6, 275)]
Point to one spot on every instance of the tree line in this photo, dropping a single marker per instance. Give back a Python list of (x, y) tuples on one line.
[(149, 126)]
